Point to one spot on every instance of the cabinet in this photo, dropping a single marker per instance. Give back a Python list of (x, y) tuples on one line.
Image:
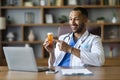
[(16, 23)]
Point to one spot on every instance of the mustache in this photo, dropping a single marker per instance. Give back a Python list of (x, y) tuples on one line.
[(74, 25), (81, 25)]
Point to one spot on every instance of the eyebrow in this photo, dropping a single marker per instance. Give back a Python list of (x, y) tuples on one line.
[(75, 17)]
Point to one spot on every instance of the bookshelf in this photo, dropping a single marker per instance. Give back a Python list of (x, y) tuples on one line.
[(96, 8)]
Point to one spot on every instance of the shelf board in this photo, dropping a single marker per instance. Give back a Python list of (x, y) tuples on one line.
[(22, 42), (85, 6), (20, 7), (105, 23), (44, 24), (108, 23), (14, 25), (113, 58), (40, 42), (111, 41), (34, 42), (94, 24), (65, 6)]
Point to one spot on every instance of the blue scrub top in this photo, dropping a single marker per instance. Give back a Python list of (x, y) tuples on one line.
[(66, 60)]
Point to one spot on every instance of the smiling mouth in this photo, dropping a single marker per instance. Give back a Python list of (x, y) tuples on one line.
[(73, 27)]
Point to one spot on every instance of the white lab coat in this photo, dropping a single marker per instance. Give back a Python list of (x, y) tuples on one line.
[(91, 50)]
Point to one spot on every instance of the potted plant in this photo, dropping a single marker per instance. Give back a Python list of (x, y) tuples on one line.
[(62, 19), (100, 20)]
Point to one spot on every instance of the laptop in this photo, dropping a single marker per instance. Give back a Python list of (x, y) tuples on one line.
[(21, 59)]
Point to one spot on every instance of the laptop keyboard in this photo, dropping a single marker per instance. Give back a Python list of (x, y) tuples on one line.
[(43, 69)]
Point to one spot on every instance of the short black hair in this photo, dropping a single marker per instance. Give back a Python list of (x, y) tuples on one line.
[(82, 10)]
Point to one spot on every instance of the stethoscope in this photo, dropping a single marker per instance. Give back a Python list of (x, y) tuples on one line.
[(69, 38)]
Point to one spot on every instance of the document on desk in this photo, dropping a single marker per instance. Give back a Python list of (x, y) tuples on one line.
[(83, 71)]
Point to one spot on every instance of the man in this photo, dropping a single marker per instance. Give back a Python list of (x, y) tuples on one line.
[(79, 48)]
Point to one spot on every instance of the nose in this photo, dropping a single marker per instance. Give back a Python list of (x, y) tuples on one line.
[(72, 21)]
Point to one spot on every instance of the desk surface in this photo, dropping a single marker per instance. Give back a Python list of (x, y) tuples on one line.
[(99, 73)]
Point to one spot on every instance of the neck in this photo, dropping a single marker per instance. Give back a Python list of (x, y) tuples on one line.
[(78, 35)]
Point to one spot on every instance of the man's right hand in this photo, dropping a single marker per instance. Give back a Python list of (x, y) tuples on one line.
[(47, 46)]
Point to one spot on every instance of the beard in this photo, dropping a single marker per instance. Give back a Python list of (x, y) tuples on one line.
[(80, 28)]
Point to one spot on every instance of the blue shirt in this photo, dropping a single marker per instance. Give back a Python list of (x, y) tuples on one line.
[(66, 60)]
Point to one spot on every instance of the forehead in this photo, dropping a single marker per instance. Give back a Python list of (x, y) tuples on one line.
[(75, 14)]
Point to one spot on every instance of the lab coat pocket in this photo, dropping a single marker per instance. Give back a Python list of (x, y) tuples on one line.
[(85, 47)]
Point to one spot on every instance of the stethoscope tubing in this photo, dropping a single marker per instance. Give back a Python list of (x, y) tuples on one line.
[(69, 38)]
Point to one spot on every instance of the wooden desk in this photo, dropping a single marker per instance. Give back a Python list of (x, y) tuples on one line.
[(100, 73)]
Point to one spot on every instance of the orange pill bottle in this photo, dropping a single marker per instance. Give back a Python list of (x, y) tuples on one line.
[(50, 38)]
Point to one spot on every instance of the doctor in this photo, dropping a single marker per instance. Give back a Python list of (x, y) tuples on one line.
[(79, 48)]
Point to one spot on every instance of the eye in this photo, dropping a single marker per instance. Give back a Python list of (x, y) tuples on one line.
[(77, 18)]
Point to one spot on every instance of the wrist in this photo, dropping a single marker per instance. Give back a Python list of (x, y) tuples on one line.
[(71, 49)]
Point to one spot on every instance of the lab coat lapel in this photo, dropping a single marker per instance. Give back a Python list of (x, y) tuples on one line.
[(81, 40), (62, 53)]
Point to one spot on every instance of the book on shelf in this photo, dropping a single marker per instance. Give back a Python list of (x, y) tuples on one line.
[(59, 2)]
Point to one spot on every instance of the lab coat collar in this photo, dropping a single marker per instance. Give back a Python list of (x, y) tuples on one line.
[(82, 39)]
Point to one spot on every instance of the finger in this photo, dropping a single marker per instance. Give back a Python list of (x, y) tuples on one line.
[(55, 40), (46, 40), (46, 43), (59, 46)]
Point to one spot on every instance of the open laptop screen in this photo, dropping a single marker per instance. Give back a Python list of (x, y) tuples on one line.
[(20, 58)]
